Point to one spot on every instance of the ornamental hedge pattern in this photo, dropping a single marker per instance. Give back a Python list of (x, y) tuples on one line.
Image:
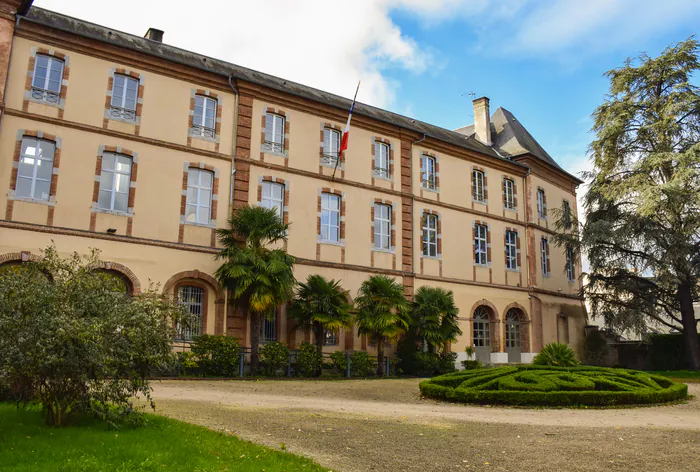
[(553, 386)]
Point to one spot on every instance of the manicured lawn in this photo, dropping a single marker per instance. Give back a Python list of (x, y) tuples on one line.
[(692, 376), (26, 444)]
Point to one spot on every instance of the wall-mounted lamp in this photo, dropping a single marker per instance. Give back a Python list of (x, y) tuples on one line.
[(112, 230)]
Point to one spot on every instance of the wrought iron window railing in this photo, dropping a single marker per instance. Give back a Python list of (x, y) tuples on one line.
[(428, 182), (382, 172), (271, 146), (45, 95), (203, 131), (122, 113), (329, 160)]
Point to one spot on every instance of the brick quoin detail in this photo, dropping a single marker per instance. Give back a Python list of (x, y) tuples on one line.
[(214, 200), (341, 241), (30, 77), (406, 176), (21, 134), (122, 269), (488, 239), (377, 139), (392, 237), (217, 120), (23, 256), (486, 188), (241, 179), (437, 174), (132, 186), (341, 164), (139, 99)]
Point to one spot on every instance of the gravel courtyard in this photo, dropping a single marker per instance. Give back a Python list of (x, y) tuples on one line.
[(384, 425)]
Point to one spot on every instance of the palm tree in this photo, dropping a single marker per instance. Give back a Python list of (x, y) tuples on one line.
[(382, 312), (434, 316), (257, 277), (321, 304)]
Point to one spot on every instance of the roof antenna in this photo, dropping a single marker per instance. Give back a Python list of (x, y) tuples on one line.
[(471, 95)]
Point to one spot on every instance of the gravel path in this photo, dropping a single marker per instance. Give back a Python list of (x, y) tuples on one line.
[(385, 425)]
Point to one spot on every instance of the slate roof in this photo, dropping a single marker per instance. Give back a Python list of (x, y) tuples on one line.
[(513, 138)]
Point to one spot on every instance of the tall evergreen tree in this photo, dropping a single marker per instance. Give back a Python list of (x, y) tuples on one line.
[(642, 225), (258, 278)]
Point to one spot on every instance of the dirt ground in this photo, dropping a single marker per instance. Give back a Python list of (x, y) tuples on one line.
[(384, 425)]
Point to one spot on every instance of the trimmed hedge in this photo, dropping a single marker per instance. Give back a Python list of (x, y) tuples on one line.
[(553, 386)]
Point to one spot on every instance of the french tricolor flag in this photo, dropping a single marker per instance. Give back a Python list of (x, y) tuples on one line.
[(344, 140)]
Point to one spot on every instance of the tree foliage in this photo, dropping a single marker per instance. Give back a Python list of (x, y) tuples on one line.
[(320, 304), (642, 225), (434, 317), (382, 313), (73, 339), (258, 277)]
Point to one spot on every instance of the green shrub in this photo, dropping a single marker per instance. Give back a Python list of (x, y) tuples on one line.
[(472, 364), (309, 360), (666, 352), (216, 355), (361, 365), (187, 362), (274, 358), (556, 354), (553, 386), (340, 361)]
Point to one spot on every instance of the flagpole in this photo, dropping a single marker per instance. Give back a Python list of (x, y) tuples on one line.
[(347, 129)]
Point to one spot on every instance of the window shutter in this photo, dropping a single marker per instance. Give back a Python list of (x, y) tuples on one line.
[(474, 241), (505, 245), (549, 269), (473, 184), (544, 204), (505, 194), (486, 190), (372, 222), (488, 244), (517, 248), (515, 195)]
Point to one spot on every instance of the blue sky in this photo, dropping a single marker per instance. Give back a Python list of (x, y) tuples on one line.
[(541, 59)]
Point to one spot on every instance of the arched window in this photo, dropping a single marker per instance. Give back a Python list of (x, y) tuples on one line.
[(192, 298), (122, 281), (482, 327), (513, 329)]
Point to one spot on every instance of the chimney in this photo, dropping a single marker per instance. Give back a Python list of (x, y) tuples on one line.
[(482, 120), (154, 35)]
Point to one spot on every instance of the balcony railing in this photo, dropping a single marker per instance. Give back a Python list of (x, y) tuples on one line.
[(45, 95), (203, 131), (122, 113), (271, 146)]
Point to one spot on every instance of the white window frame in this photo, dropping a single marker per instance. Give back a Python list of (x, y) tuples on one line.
[(199, 122), (481, 251), (193, 304), (274, 141), (430, 227), (330, 204), (428, 179), (511, 250), (330, 337), (43, 91), (268, 326), (202, 206), (382, 226), (37, 161), (268, 198), (478, 179), (570, 264), (331, 146), (541, 208), (509, 194), (113, 191), (544, 244), (122, 103), (382, 154)]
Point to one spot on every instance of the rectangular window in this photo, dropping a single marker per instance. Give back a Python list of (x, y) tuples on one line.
[(192, 299), (115, 181), (478, 185), (480, 244), (274, 133), (381, 160), (268, 329), (330, 217), (508, 194), (124, 96), (199, 187), (273, 197), (35, 169), (382, 226), (570, 274), (47, 79), (331, 338), (511, 250), (428, 178), (566, 214), (204, 121), (544, 245), (541, 204), (430, 235), (331, 146)]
